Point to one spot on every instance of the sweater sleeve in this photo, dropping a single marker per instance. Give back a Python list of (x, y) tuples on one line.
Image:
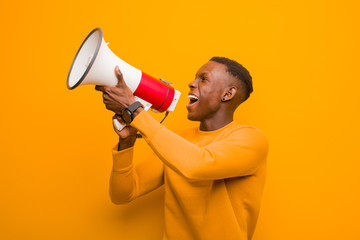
[(240, 154), (129, 181)]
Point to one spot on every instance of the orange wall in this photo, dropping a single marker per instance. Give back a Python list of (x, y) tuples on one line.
[(55, 143)]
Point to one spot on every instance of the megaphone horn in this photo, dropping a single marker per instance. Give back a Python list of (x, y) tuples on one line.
[(94, 63)]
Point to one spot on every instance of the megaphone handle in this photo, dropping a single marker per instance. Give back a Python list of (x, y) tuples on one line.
[(118, 125)]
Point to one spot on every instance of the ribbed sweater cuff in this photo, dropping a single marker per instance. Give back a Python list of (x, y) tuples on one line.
[(122, 160)]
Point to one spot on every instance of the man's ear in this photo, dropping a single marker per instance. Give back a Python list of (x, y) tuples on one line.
[(229, 94)]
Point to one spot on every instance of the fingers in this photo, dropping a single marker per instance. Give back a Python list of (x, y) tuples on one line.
[(119, 118), (108, 99), (100, 88), (119, 76)]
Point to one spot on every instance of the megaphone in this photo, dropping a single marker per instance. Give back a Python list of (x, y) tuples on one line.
[(94, 63)]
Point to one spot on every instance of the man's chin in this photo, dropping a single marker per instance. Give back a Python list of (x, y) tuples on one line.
[(192, 117)]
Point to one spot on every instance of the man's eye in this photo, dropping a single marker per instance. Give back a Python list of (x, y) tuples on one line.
[(204, 79)]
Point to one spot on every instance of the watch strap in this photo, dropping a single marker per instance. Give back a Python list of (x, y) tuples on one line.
[(132, 108), (128, 113)]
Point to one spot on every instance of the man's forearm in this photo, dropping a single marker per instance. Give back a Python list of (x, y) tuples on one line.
[(129, 181), (130, 141)]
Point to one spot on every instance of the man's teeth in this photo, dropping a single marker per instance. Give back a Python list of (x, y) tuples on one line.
[(193, 97)]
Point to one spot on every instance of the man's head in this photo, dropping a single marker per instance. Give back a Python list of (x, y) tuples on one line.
[(242, 75), (220, 86)]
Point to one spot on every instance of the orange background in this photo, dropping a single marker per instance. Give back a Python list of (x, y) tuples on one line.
[(55, 144)]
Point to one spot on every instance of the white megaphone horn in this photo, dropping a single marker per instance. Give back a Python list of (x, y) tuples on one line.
[(94, 63)]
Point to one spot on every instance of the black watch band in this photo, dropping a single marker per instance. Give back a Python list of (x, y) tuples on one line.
[(128, 113)]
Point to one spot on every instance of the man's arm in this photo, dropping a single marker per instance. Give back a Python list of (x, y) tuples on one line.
[(127, 182), (240, 154)]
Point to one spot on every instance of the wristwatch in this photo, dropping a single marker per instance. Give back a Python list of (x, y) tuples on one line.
[(128, 113)]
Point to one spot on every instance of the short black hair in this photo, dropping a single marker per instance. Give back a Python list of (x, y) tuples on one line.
[(239, 71)]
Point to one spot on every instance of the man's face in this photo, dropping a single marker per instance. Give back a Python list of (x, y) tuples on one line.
[(206, 91)]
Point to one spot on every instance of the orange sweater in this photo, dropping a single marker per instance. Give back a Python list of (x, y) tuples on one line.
[(213, 180)]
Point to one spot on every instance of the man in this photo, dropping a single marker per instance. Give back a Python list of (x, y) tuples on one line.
[(213, 175)]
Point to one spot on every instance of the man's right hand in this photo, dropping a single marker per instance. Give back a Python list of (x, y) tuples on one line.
[(127, 136)]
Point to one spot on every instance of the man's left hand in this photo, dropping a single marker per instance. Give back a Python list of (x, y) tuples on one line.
[(117, 98)]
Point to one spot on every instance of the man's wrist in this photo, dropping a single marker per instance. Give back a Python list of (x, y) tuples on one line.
[(137, 111), (128, 143), (128, 113)]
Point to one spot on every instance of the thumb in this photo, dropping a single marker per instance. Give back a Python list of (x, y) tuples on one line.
[(119, 76)]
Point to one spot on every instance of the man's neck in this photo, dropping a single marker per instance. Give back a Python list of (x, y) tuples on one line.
[(216, 123)]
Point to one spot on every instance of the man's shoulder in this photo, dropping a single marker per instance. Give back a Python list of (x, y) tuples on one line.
[(250, 134), (247, 128)]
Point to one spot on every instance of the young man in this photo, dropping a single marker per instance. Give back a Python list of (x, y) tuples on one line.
[(213, 175)]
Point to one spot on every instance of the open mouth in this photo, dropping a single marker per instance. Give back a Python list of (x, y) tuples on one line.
[(193, 99)]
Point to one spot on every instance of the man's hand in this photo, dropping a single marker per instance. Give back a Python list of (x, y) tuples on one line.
[(125, 133), (117, 98), (127, 136)]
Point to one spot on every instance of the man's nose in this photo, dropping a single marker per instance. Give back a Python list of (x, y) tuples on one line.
[(192, 84)]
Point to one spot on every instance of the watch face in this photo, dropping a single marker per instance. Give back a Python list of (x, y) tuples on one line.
[(126, 116)]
